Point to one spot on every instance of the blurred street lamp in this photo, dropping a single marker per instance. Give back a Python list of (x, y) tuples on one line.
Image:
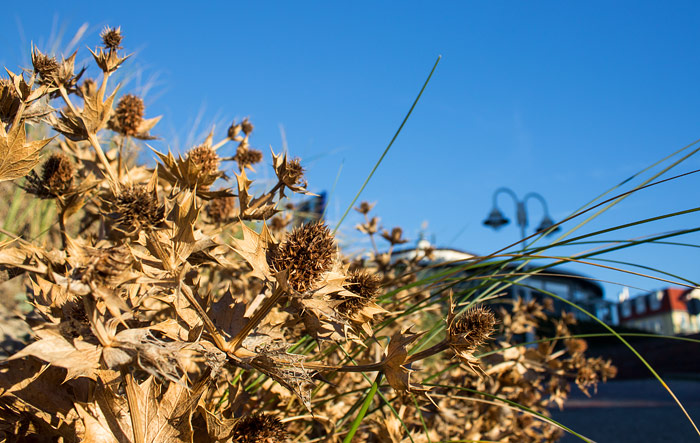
[(497, 220)]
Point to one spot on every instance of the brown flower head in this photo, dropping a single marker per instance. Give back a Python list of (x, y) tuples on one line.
[(44, 66), (128, 115), (112, 38), (137, 208), (259, 428), (247, 157), (289, 172), (57, 173), (307, 253), (395, 237), (105, 266), (278, 223), (295, 173), (365, 286), (576, 345), (205, 159), (56, 177), (365, 207), (471, 329), (465, 333), (247, 126), (199, 169), (221, 209), (66, 77)]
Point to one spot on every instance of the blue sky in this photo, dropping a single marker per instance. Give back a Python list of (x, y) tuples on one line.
[(563, 98)]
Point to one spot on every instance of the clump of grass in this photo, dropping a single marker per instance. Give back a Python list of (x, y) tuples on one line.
[(157, 321)]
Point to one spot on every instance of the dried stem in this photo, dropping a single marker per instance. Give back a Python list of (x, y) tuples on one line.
[(103, 158), (265, 198), (262, 311), (68, 101)]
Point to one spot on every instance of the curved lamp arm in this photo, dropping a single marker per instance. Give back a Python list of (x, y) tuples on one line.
[(537, 196)]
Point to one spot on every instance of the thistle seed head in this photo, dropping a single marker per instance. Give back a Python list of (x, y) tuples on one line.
[(220, 209), (112, 38), (46, 67), (206, 160), (137, 208), (278, 224), (307, 253), (395, 237), (576, 345), (472, 329), (246, 157), (107, 265), (364, 207), (365, 286), (259, 428), (57, 173), (247, 126), (295, 172), (128, 115)]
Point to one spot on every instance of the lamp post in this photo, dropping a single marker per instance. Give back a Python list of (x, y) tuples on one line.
[(497, 220)]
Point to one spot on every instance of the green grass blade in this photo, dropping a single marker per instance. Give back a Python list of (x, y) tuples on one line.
[(398, 131), (363, 410), (627, 194), (330, 195)]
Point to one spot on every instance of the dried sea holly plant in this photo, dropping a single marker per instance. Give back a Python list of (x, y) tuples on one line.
[(179, 308)]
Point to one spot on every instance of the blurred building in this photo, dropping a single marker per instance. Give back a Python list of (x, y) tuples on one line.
[(667, 311), (311, 209), (571, 286)]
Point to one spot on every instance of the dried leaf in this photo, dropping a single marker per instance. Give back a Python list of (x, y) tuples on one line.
[(396, 368), (17, 157), (81, 360), (253, 248)]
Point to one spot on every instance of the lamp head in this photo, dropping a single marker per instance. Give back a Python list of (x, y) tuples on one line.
[(545, 224), (496, 219)]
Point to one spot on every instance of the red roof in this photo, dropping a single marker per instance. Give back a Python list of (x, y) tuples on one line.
[(673, 299), (676, 299)]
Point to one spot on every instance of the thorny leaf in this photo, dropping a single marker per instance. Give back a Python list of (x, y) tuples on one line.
[(24, 88), (253, 248), (96, 113), (166, 417), (17, 157), (80, 359), (108, 61), (397, 370)]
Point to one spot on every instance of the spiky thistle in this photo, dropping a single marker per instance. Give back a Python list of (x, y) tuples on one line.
[(259, 428), (306, 254)]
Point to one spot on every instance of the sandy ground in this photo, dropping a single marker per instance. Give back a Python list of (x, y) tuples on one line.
[(634, 411)]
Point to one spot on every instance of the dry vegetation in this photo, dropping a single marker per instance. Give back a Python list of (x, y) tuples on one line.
[(167, 310)]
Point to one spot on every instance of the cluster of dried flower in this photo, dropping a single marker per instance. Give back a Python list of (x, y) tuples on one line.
[(156, 322)]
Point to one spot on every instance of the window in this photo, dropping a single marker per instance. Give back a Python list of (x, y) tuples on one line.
[(626, 308), (560, 289), (640, 306), (655, 300), (580, 294)]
